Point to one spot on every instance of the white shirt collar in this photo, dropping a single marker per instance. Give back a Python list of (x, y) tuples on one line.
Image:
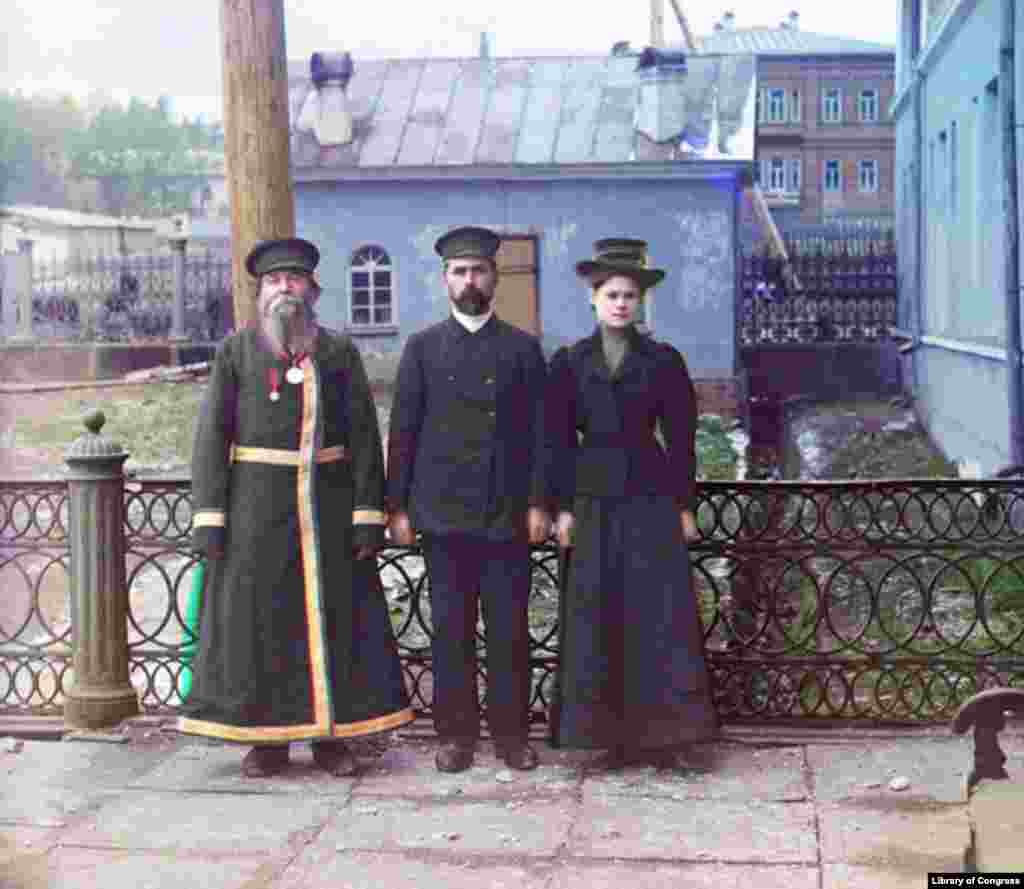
[(472, 323)]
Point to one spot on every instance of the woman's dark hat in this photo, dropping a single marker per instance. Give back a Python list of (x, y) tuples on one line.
[(281, 254), (621, 256), (469, 240)]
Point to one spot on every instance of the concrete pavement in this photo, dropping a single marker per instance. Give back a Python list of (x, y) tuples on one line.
[(772, 809)]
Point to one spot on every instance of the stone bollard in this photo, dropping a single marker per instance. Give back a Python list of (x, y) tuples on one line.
[(21, 284), (178, 244), (102, 694)]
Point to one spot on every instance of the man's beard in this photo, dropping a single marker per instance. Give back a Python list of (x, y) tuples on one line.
[(288, 321), (473, 301)]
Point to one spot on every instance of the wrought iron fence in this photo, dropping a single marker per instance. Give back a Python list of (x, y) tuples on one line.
[(842, 298), (129, 297), (888, 601)]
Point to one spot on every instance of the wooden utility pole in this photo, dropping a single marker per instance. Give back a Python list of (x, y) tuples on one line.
[(256, 140), (657, 23), (684, 26)]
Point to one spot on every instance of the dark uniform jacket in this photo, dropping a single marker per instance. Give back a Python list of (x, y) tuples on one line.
[(617, 415), (464, 427)]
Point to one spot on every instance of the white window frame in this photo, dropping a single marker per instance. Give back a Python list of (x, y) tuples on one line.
[(867, 105), (837, 165), (794, 106), (867, 176), (378, 261), (832, 104), (776, 111), (776, 175), (794, 177)]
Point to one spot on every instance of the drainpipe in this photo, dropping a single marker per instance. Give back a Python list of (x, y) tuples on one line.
[(918, 180), (1012, 245)]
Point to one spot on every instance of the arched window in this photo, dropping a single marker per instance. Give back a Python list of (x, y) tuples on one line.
[(371, 288)]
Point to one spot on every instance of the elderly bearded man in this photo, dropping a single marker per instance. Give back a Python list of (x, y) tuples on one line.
[(295, 642), (461, 468)]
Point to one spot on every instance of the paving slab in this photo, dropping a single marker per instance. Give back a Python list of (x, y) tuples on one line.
[(75, 868), (935, 767), (873, 876), (203, 767), (643, 875), (695, 830), (997, 817), (19, 841), (323, 868), (409, 771), (915, 837), (208, 822), (535, 827), (735, 771)]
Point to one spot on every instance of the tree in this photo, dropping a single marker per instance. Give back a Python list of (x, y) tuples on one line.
[(146, 162)]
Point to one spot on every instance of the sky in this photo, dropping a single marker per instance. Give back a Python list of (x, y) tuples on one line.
[(119, 48)]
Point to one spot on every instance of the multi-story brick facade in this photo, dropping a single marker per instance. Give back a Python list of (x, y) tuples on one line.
[(825, 142)]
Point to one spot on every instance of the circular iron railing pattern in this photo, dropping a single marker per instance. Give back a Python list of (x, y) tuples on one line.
[(35, 630), (888, 601)]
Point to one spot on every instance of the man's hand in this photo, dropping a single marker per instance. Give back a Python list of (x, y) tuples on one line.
[(689, 526), (364, 552), (563, 528), (401, 529), (538, 524)]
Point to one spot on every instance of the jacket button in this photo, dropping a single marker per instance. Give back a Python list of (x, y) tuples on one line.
[(488, 380), (451, 379), (492, 413)]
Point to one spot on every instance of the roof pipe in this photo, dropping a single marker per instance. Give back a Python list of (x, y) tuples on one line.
[(1007, 95)]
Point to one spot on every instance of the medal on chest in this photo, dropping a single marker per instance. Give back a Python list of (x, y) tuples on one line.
[(294, 375)]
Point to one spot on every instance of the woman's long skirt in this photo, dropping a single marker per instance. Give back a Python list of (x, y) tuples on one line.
[(632, 671)]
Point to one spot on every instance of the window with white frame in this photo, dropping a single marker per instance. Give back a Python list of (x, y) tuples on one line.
[(371, 288), (833, 176), (776, 106), (867, 176), (776, 175), (793, 182), (794, 106), (868, 106), (832, 105)]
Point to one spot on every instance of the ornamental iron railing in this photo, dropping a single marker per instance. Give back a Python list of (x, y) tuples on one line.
[(883, 601), (842, 297), (117, 298)]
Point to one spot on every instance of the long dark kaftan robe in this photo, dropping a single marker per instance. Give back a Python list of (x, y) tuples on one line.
[(632, 670), (295, 641)]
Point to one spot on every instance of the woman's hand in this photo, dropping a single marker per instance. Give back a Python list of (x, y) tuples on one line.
[(401, 529), (563, 528), (538, 524), (688, 523)]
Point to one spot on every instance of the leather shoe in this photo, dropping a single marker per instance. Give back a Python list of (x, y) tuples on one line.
[(335, 758), (263, 762), (520, 756), (454, 757)]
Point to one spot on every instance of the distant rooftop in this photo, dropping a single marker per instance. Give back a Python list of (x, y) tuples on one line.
[(786, 40), (71, 218), (530, 112)]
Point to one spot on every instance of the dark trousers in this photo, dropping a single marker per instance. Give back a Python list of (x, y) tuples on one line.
[(464, 570)]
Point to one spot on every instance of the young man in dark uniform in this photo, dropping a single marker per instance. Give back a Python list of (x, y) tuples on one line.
[(462, 470)]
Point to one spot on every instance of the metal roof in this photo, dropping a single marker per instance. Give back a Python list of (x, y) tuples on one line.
[(528, 112), (787, 42), (70, 218)]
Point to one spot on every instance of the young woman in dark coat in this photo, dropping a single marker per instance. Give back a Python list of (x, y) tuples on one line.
[(633, 678)]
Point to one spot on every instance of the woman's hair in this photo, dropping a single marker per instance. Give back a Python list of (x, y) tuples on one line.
[(599, 278)]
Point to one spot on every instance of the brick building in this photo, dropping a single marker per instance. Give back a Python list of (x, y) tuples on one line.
[(825, 141)]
